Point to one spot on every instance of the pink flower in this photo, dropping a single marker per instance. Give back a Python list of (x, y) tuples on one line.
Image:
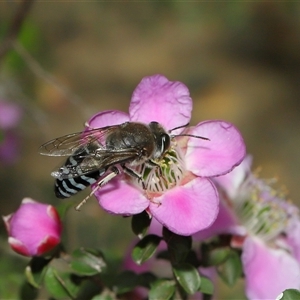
[(265, 226), (180, 195), (34, 229)]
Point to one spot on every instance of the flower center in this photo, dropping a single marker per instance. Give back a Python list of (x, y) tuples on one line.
[(261, 210), (167, 173)]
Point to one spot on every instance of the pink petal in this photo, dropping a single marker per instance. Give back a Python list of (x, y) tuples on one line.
[(231, 181), (118, 197), (268, 271), (219, 155), (226, 223), (31, 223), (28, 200), (53, 214), (6, 220), (19, 247), (187, 209), (47, 244), (293, 238), (107, 118), (158, 99)]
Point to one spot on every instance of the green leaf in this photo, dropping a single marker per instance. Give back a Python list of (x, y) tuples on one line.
[(206, 286), (35, 270), (28, 292), (218, 256), (290, 294), (106, 295), (126, 282), (145, 248), (162, 289), (178, 246), (146, 279), (140, 224), (87, 262), (231, 269), (164, 254), (60, 284), (188, 277), (90, 287)]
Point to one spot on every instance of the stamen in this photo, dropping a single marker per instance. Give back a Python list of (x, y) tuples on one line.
[(169, 173), (261, 210)]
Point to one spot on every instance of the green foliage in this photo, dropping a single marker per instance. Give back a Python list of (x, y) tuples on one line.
[(35, 271), (218, 256), (85, 274), (162, 289), (145, 248), (178, 246), (28, 292), (104, 296), (188, 277), (290, 294), (231, 269), (206, 286), (146, 279), (125, 282), (140, 224), (87, 262), (60, 284)]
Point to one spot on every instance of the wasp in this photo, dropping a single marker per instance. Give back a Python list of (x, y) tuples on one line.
[(99, 155)]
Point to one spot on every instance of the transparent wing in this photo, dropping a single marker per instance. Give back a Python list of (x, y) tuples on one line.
[(99, 160), (68, 144)]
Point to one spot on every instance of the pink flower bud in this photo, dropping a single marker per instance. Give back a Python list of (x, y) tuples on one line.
[(34, 229)]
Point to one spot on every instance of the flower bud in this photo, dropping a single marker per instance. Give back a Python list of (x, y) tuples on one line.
[(34, 229)]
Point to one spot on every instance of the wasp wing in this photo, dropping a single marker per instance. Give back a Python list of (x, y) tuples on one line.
[(85, 163), (68, 144)]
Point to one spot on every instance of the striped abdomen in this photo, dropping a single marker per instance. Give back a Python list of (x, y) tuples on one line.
[(69, 186), (65, 188)]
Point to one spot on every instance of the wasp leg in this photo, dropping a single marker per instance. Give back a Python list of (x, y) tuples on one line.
[(153, 163), (101, 183), (132, 173)]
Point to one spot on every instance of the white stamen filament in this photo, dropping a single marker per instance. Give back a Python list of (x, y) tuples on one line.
[(167, 174), (260, 210)]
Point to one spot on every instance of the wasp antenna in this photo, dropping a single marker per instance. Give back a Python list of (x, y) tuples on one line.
[(183, 134), (178, 127), (191, 135)]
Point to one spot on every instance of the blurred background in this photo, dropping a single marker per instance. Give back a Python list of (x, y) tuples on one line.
[(240, 60)]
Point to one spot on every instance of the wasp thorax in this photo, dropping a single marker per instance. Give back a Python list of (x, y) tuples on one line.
[(168, 172)]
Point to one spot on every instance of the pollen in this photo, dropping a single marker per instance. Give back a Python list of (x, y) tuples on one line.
[(166, 173)]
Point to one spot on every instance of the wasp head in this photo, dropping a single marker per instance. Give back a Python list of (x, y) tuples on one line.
[(162, 139)]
